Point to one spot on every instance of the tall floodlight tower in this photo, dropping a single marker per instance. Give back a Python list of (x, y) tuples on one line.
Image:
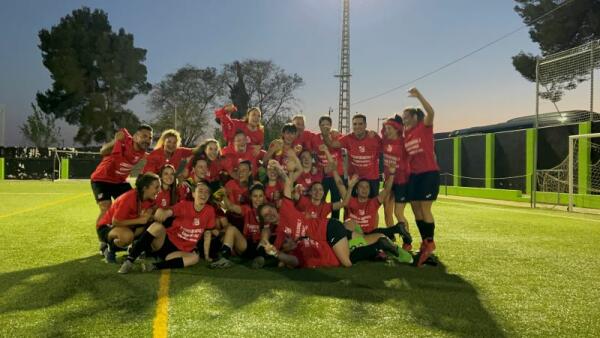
[(344, 75)]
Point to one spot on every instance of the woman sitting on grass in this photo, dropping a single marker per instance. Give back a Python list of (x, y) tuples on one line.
[(174, 235), (128, 216)]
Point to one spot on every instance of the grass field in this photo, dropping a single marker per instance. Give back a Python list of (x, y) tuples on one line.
[(506, 271)]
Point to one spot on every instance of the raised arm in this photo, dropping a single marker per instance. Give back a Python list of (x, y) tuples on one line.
[(348, 193), (108, 147), (231, 206), (429, 113), (338, 180), (288, 184)]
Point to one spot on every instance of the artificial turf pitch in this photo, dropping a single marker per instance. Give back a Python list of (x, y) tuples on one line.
[(505, 271)]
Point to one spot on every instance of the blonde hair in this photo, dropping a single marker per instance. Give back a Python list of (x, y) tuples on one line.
[(168, 133), (247, 117)]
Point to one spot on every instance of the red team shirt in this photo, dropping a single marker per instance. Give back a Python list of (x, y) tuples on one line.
[(394, 155), (418, 142), (315, 254), (310, 210), (292, 223), (305, 139), (115, 168), (163, 199), (189, 224), (231, 126), (125, 207), (236, 193), (306, 179), (363, 155), (251, 223), (364, 213), (232, 158), (157, 159), (273, 193), (336, 153)]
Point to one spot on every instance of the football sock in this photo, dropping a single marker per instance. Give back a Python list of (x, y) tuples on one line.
[(428, 230), (365, 252), (141, 245), (225, 251), (175, 263), (420, 226)]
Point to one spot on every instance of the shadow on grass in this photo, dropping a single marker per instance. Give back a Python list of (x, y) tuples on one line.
[(88, 294)]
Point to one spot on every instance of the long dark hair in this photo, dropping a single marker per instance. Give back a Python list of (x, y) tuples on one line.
[(173, 186), (142, 182)]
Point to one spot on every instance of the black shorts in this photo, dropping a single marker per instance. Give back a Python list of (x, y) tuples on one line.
[(373, 188), (400, 192), (104, 191), (214, 185), (424, 186), (336, 231), (167, 248), (251, 250), (102, 232)]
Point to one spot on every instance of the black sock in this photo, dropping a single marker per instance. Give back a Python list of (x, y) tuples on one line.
[(175, 263), (428, 230), (261, 252), (365, 252), (420, 226), (225, 251), (141, 245), (403, 232), (389, 232)]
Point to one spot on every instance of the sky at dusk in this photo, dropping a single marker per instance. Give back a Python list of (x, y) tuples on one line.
[(392, 42)]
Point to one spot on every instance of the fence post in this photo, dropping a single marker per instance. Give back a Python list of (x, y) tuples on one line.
[(583, 159), (1, 168), (456, 181), (490, 149), (64, 168), (530, 146)]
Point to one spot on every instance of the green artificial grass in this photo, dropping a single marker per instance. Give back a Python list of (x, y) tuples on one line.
[(505, 271)]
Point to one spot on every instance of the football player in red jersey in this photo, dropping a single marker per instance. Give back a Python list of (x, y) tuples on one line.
[(424, 180), (109, 180), (174, 235), (323, 157), (304, 137), (239, 151), (247, 242), (309, 173), (364, 148), (394, 155), (279, 148), (127, 216), (168, 150), (171, 192), (250, 125)]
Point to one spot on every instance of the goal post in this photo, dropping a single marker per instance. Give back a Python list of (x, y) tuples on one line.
[(583, 166)]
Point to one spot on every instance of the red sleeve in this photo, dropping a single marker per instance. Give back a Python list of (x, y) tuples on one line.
[(210, 217), (152, 163), (125, 206), (226, 124), (280, 236), (344, 141)]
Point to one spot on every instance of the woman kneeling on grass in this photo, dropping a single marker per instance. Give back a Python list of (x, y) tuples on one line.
[(128, 216), (175, 239)]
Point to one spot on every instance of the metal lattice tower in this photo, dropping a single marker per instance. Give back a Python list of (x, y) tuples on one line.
[(344, 75)]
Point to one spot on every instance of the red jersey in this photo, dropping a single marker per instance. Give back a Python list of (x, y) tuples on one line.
[(315, 254), (292, 223), (232, 158), (394, 155), (305, 139), (363, 155), (273, 193), (163, 199), (125, 207), (366, 214), (419, 147), (336, 153), (189, 224), (236, 193), (251, 223), (115, 168), (157, 158), (306, 179), (214, 170), (231, 126), (310, 210)]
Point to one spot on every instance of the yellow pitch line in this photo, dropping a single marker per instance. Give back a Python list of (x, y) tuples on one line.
[(161, 320), (45, 205)]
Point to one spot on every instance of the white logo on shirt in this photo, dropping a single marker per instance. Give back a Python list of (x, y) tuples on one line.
[(196, 222), (361, 149)]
